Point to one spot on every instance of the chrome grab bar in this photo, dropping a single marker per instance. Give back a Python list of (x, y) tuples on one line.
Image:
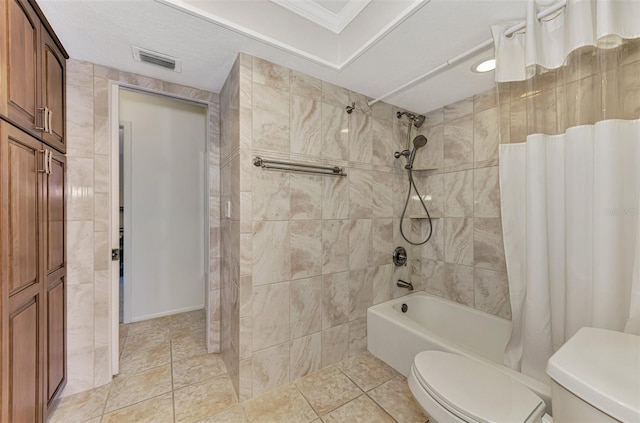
[(298, 167)]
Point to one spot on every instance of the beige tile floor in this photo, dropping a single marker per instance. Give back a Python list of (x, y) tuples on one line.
[(166, 375)]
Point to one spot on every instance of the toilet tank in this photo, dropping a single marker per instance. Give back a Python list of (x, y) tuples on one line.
[(596, 377)]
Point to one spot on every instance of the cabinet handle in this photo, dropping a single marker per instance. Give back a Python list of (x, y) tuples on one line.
[(50, 113), (44, 119), (45, 161), (49, 167)]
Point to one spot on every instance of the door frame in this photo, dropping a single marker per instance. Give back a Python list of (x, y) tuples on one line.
[(114, 200)]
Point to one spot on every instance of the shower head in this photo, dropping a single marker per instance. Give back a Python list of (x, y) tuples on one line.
[(417, 120), (420, 141)]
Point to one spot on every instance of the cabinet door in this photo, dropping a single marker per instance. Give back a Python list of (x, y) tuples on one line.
[(21, 159), (56, 345), (23, 85), (53, 73)]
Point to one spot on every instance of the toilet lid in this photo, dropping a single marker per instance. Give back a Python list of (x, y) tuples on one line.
[(475, 391)]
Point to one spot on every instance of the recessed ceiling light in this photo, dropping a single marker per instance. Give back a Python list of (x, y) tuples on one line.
[(485, 65)]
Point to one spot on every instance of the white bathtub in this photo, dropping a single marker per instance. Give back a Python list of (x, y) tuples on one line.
[(433, 323)]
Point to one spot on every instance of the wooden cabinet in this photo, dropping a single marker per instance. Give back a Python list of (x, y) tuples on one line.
[(33, 275), (32, 94)]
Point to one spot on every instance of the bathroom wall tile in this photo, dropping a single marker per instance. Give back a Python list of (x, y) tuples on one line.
[(434, 248), (360, 293), (458, 109), (360, 194), (383, 111), (270, 74), (80, 316), (306, 121), (246, 212), (492, 292), (245, 349), (335, 344), (360, 247), (306, 196), (271, 195), (101, 251), (80, 255), (431, 155), (101, 128), (458, 283), (305, 85), (357, 337), (79, 73), (245, 294), (485, 100), (141, 81), (428, 184), (101, 212), (80, 194), (361, 102), (335, 132), (306, 248), (80, 370), (335, 198), (412, 272), (335, 299), (382, 242), (382, 195), (434, 117), (270, 119), (360, 137), (382, 280), (101, 175), (458, 241), (270, 315), (383, 145), (306, 306), (433, 276), (486, 192), (245, 380), (79, 119), (246, 258), (334, 95), (271, 252), (305, 355), (270, 368), (458, 141), (488, 247), (335, 246), (458, 189), (485, 135)]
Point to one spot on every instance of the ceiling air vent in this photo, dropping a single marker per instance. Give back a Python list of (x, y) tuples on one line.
[(157, 59)]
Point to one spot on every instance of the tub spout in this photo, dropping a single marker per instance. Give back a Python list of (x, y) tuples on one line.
[(404, 284)]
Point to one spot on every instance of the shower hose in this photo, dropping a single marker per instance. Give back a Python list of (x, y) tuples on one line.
[(412, 184)]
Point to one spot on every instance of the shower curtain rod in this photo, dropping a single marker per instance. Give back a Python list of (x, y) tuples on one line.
[(510, 31)]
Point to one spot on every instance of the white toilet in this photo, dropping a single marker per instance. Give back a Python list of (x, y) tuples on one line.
[(596, 378)]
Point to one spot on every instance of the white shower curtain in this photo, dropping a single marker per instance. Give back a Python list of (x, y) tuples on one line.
[(570, 201)]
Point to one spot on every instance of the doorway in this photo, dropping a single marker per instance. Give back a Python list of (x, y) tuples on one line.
[(163, 203)]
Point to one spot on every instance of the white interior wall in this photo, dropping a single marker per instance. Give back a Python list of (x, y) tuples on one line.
[(167, 206)]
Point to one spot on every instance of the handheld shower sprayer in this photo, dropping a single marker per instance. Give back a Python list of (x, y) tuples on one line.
[(418, 142)]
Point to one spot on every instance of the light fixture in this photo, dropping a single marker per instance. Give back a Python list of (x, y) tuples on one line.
[(484, 65)]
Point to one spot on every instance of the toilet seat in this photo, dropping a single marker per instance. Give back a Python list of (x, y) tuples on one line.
[(474, 392)]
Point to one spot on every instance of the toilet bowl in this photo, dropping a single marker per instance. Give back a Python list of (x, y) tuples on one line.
[(595, 378), (452, 388)]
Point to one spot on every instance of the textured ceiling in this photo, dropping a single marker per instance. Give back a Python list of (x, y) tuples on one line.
[(432, 33)]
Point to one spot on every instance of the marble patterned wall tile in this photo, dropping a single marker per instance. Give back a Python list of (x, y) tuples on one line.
[(458, 109), (458, 141), (360, 292), (382, 195), (335, 132), (459, 283), (270, 368), (335, 299), (305, 85), (382, 242), (431, 155), (79, 123), (488, 247), (357, 337), (140, 81), (335, 246), (434, 248), (306, 306), (271, 195), (80, 190), (433, 276), (360, 137), (306, 119), (458, 192), (361, 102), (245, 380), (360, 247), (270, 74), (485, 100), (246, 212), (79, 73), (80, 318), (305, 355), (383, 144), (80, 374), (428, 184), (246, 258), (101, 212), (486, 191), (245, 349), (334, 95), (434, 117), (492, 292), (360, 194), (270, 315), (485, 135), (101, 251), (335, 197), (458, 240), (382, 283), (271, 252), (245, 295), (270, 119), (335, 344), (306, 248), (80, 241), (383, 111), (306, 196)]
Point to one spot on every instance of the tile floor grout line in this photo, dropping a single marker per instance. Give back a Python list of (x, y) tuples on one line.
[(306, 400)]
